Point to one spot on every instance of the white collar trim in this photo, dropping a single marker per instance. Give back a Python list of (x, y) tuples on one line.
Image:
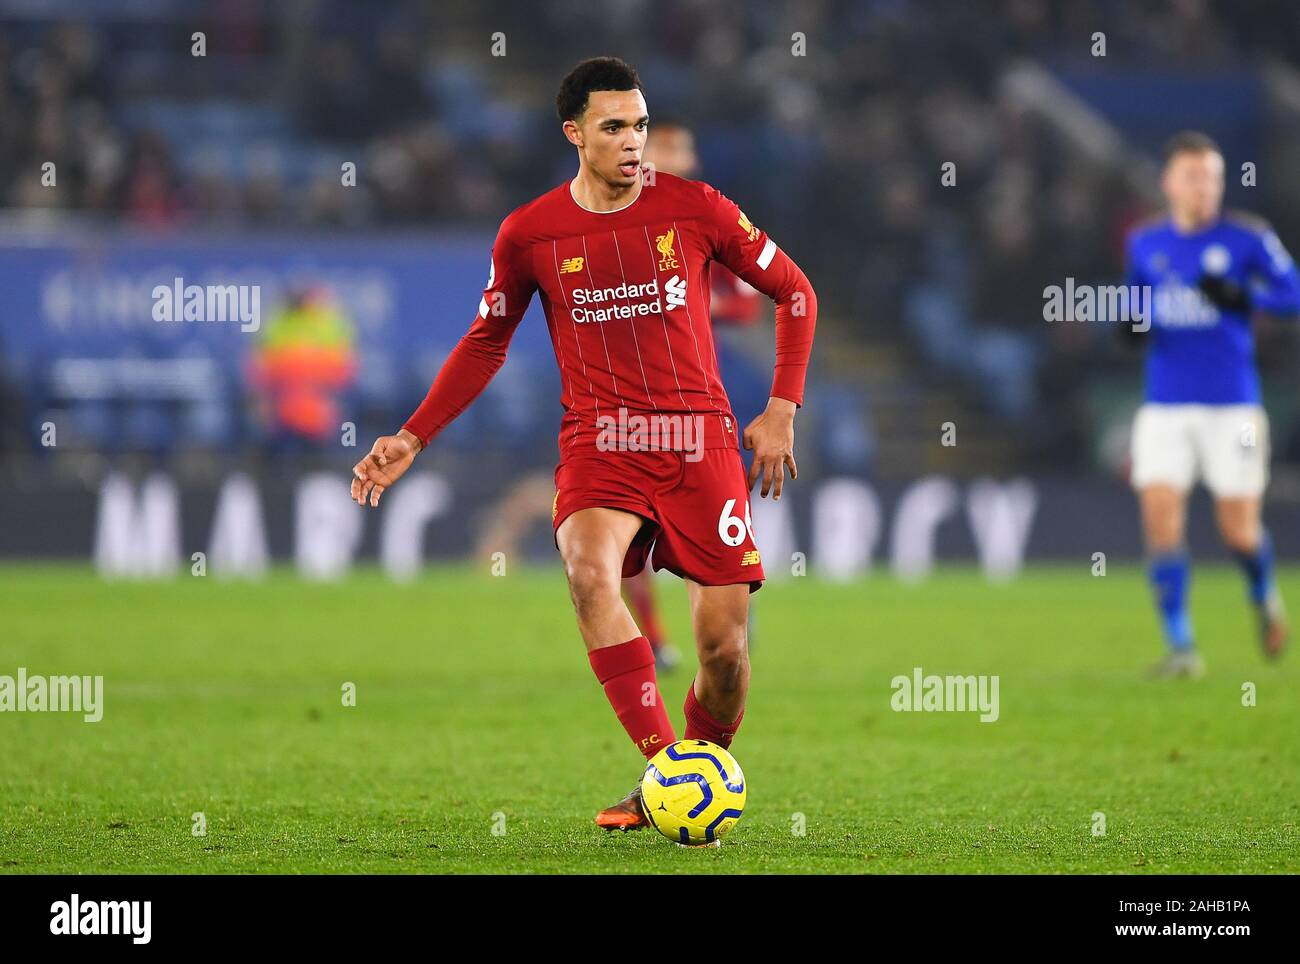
[(641, 176)]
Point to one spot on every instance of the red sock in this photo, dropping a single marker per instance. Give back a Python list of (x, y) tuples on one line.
[(627, 671), (700, 724), (641, 595)]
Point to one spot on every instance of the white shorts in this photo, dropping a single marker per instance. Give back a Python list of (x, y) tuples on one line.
[(1225, 446)]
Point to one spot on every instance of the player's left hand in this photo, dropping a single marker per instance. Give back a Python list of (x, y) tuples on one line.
[(771, 438), (388, 460)]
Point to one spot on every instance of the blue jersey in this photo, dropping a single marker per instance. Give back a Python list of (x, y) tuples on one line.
[(1199, 353)]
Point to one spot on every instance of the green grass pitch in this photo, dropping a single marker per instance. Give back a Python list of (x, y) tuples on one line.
[(476, 712)]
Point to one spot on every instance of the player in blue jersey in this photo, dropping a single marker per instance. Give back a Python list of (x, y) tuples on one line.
[(1208, 272)]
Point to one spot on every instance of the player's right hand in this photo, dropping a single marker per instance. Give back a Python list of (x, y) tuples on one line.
[(387, 462)]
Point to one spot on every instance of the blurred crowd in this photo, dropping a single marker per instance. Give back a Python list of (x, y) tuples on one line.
[(834, 119)]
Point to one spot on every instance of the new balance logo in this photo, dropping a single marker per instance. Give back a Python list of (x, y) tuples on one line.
[(570, 265), (675, 292), (750, 558)]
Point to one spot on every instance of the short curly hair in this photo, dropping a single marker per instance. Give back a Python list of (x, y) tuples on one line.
[(596, 73)]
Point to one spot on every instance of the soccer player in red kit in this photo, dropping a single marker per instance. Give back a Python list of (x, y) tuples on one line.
[(648, 445), (670, 147)]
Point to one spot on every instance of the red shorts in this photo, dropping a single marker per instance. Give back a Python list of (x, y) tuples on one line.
[(696, 513)]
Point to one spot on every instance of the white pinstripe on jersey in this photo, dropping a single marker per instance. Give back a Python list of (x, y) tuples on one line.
[(691, 320), (635, 342), (555, 257), (586, 261)]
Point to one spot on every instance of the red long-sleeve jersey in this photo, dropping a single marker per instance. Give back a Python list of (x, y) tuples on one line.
[(626, 297)]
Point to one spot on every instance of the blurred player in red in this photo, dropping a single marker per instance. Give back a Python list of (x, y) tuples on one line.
[(649, 446), (670, 147)]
